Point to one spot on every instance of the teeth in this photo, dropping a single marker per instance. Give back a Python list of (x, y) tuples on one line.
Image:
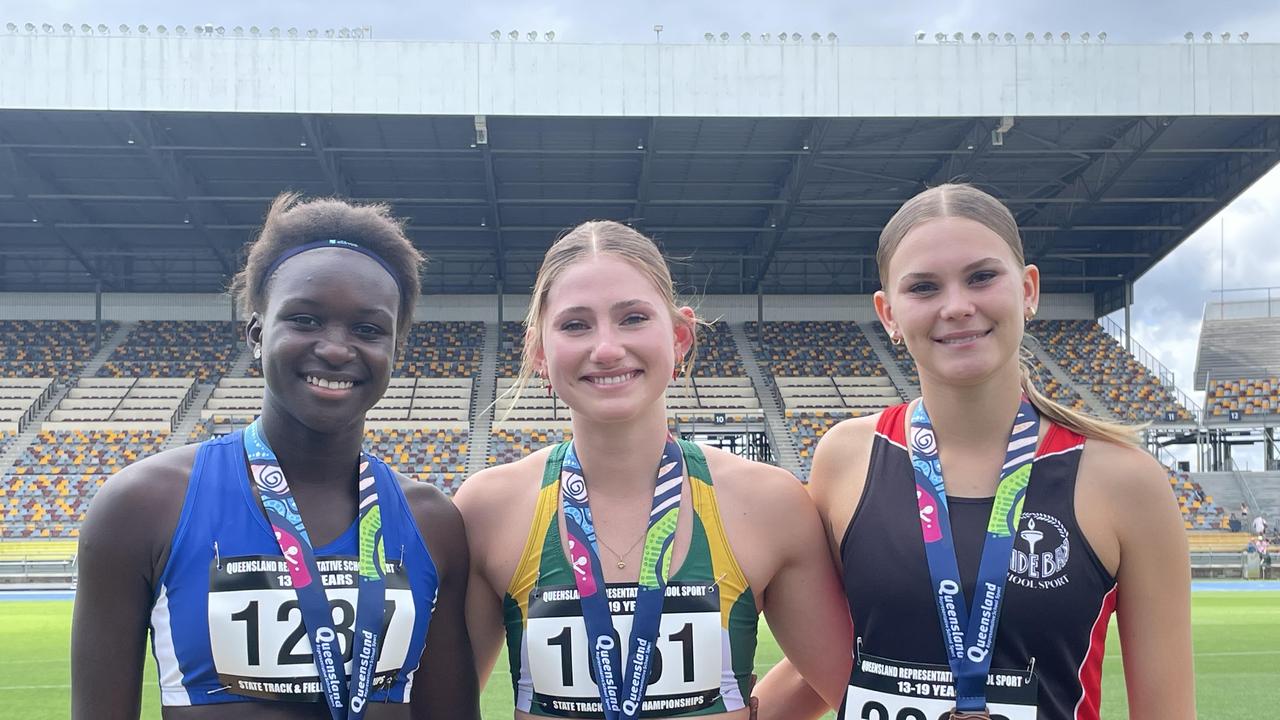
[(966, 338), (614, 380), (330, 384)]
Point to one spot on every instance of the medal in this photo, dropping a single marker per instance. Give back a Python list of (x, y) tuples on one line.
[(969, 715)]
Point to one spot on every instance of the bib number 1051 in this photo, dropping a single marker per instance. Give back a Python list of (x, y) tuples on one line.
[(682, 637)]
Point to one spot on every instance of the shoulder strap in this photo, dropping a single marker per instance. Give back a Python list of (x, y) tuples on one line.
[(555, 461), (695, 461)]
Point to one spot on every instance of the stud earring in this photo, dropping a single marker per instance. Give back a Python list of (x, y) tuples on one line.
[(257, 352), (895, 338)]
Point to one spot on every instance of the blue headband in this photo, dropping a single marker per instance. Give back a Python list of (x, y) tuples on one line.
[(332, 243)]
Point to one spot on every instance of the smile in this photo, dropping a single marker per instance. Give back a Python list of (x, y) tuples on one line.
[(330, 384), (612, 379), (961, 339)]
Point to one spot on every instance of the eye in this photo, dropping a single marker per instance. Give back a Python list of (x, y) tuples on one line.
[(982, 277), (304, 320), (634, 319), (573, 326), (922, 288), (369, 329)]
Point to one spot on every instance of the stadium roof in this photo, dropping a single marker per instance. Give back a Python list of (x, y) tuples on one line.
[(161, 200)]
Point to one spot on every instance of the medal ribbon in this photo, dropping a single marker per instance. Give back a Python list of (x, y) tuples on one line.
[(622, 690), (376, 535), (970, 637)]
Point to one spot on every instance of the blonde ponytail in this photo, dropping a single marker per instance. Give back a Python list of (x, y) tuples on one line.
[(1076, 421)]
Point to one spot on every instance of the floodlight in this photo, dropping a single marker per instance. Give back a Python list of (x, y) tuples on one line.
[(179, 29), (724, 37), (1189, 36), (293, 32), (275, 32), (919, 35), (238, 31), (357, 33), (1084, 37), (992, 37), (102, 29), (14, 28), (796, 37), (208, 28), (254, 31), (764, 37), (346, 32), (532, 35), (1009, 38), (66, 28), (199, 29), (939, 37), (549, 35), (496, 34), (832, 37), (144, 29), (708, 37), (976, 37), (1244, 36), (514, 34), (49, 28), (85, 28), (162, 29), (312, 34), (1226, 37), (1066, 37), (746, 37), (220, 31), (1102, 36), (1048, 37), (816, 37), (1208, 37), (782, 37), (329, 33), (958, 37), (1030, 37)]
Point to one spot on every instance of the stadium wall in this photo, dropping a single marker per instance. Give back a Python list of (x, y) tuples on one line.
[(808, 79), (131, 307)]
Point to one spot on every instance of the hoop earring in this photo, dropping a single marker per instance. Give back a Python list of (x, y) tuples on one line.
[(257, 352), (896, 339)]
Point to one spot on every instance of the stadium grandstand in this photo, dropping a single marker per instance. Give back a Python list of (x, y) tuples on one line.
[(138, 165)]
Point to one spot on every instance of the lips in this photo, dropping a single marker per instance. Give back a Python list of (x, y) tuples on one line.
[(612, 378), (329, 383), (962, 337)]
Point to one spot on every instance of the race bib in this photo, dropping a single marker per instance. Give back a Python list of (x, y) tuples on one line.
[(882, 689), (260, 644), (685, 675)]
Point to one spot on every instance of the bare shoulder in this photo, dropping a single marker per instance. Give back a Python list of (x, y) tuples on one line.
[(1122, 475), (741, 480), (497, 484), (153, 483)]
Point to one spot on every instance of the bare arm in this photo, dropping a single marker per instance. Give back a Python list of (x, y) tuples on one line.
[(1154, 598), (119, 564), (805, 608), (446, 687)]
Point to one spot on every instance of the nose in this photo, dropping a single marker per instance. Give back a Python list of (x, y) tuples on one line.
[(333, 348), (607, 351), (956, 304)]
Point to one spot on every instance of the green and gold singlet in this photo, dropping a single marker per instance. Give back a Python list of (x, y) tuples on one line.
[(707, 643)]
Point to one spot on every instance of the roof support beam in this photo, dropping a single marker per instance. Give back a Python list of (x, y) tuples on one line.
[(642, 183), (956, 167), (328, 161), (495, 220), (179, 181), (770, 238)]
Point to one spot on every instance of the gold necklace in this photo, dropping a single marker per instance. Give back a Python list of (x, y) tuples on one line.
[(622, 564)]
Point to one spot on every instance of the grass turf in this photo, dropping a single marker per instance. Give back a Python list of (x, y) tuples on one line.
[(1237, 646)]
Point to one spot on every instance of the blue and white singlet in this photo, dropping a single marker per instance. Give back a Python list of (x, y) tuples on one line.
[(225, 623)]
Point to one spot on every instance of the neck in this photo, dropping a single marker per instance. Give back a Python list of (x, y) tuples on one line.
[(621, 458), (973, 414), (309, 457)]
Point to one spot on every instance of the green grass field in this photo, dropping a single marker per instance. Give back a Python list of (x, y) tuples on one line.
[(1237, 645)]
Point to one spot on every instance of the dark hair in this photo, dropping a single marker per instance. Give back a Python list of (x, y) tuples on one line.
[(292, 221)]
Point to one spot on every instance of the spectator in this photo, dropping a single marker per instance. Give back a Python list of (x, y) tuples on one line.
[(1234, 523), (1264, 557), (1259, 526), (1244, 510)]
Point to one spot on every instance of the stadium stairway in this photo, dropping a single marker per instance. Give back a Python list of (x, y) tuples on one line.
[(1096, 407), (905, 388), (784, 445), (190, 416), (484, 391), (1265, 489), (28, 435), (1226, 489), (240, 368)]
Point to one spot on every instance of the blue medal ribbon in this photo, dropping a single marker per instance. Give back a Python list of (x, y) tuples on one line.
[(377, 534), (970, 636), (622, 689)]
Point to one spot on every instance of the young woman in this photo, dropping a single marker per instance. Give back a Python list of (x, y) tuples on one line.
[(628, 568), (985, 533), (280, 568)]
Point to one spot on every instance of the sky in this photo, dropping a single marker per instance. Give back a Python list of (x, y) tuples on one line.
[(1168, 300)]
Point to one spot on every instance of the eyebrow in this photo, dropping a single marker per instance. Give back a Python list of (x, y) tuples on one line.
[(620, 305), (307, 303), (967, 268)]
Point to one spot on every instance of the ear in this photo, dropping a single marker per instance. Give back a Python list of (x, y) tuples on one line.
[(884, 311), (1030, 288), (538, 354), (686, 323), (253, 330)]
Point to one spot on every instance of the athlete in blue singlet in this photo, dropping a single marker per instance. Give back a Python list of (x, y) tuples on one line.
[(282, 572)]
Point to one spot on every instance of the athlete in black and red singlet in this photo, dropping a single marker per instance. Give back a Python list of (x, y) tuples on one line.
[(986, 508)]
